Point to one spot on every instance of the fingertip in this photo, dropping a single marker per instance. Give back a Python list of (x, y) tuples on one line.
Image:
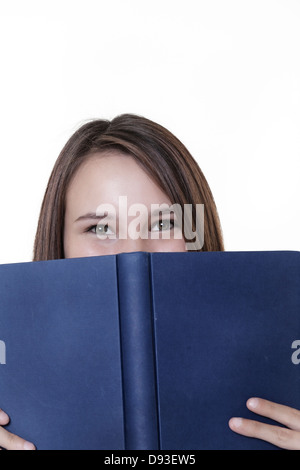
[(252, 403), (235, 423), (4, 418), (29, 446)]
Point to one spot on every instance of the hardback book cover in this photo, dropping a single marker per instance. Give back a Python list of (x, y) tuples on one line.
[(147, 350)]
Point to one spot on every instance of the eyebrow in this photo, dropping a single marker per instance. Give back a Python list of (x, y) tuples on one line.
[(161, 212), (91, 216), (94, 216)]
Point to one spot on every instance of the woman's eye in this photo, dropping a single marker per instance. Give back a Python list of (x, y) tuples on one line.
[(162, 225), (101, 230)]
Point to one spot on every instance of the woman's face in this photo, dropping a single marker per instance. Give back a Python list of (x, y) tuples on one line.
[(112, 207)]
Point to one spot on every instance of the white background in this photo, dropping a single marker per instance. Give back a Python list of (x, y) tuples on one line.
[(222, 75)]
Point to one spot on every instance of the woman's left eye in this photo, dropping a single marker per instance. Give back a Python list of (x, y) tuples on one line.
[(101, 230), (162, 225)]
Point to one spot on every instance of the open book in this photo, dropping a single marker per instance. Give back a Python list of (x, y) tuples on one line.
[(147, 350)]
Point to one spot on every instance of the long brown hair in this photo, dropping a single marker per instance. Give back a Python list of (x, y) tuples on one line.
[(160, 153)]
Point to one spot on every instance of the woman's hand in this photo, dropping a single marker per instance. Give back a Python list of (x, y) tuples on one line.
[(8, 440), (285, 438)]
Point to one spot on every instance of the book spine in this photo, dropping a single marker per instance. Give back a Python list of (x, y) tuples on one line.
[(137, 350)]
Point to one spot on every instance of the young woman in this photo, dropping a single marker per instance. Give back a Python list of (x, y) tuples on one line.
[(135, 158)]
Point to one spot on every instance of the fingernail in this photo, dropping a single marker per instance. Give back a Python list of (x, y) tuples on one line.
[(28, 446), (3, 415), (253, 403), (236, 422)]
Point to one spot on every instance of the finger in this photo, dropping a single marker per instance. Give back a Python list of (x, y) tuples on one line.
[(276, 435), (10, 441), (285, 415), (4, 418)]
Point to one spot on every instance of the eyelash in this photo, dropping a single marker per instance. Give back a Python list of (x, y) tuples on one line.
[(171, 221), (93, 228)]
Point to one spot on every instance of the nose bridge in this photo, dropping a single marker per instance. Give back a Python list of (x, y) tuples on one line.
[(138, 244)]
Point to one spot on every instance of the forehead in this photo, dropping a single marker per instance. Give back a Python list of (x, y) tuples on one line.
[(104, 177)]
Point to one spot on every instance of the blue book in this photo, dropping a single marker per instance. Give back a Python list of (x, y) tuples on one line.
[(147, 350)]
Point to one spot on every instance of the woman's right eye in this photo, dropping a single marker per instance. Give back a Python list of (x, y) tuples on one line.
[(101, 230)]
